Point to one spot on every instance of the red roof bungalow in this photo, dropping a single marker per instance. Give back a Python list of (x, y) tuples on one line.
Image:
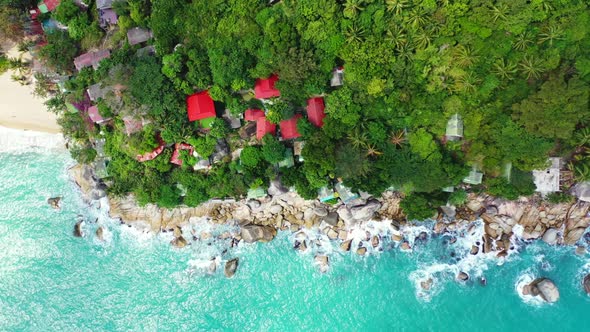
[(200, 106), (265, 88), (315, 111), (289, 128), (263, 127), (176, 154), (95, 115), (253, 115), (46, 6)]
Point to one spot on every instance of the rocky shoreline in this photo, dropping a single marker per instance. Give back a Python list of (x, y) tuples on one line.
[(504, 222)]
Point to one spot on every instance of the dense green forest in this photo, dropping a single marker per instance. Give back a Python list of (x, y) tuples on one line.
[(517, 72)]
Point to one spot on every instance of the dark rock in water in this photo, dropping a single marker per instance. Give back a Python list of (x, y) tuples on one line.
[(545, 288), (483, 281), (462, 276), (423, 236), (375, 241), (453, 240), (179, 242), (54, 202), (100, 233), (78, 229), (587, 238), (296, 245), (323, 262), (586, 284), (502, 253), (426, 284), (361, 251), (405, 246), (230, 267), (474, 250), (452, 254), (212, 267), (345, 246), (303, 246)]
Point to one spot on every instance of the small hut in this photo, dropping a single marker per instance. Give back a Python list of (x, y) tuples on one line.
[(138, 35), (454, 130), (547, 180)]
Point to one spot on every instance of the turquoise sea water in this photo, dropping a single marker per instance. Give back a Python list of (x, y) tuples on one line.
[(51, 281)]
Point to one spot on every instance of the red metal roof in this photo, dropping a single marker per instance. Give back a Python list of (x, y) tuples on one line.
[(263, 127), (95, 115), (315, 111), (265, 88), (176, 154), (289, 128), (253, 115), (152, 155), (51, 4), (200, 106)]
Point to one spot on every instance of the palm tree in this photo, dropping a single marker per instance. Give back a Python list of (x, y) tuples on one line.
[(531, 67), (353, 7), (545, 5), (357, 138), (466, 83), (499, 12), (406, 52), (550, 34), (396, 36), (582, 137), (464, 56), (416, 19), (523, 41), (504, 69), (372, 151), (397, 6), (421, 39), (354, 34), (398, 138)]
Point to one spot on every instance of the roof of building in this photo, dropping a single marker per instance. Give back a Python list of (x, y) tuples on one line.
[(48, 5), (289, 128), (265, 88), (138, 35), (315, 111), (298, 147), (253, 115), (132, 125), (104, 4), (107, 17), (263, 127), (474, 177), (582, 191), (200, 106), (345, 194), (152, 155), (94, 115), (91, 59), (256, 193), (96, 91), (176, 154), (547, 180), (337, 77), (325, 194), (454, 127)]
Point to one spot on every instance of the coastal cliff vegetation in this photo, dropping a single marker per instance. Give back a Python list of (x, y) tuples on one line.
[(514, 73)]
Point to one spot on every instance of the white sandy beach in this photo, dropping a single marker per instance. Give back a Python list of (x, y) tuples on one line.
[(19, 109)]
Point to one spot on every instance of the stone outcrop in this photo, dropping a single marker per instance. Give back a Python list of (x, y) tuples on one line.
[(323, 262), (230, 267), (90, 186), (54, 202), (78, 229), (586, 284), (100, 234), (544, 288), (254, 233)]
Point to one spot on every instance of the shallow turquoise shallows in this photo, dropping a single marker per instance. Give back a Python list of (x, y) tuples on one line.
[(52, 281)]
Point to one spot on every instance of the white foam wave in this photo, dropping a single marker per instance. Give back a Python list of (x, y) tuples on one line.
[(12, 140)]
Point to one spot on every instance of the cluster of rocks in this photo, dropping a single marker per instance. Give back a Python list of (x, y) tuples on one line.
[(555, 224)]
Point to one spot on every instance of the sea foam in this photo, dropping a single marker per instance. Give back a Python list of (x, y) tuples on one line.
[(15, 140)]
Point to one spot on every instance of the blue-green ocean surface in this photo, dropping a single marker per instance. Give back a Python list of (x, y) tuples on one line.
[(52, 281)]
